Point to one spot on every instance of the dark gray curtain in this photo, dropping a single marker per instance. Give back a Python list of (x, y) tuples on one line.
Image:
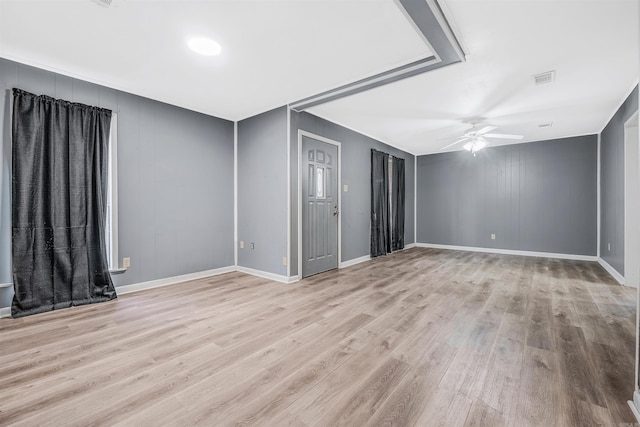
[(397, 204), (380, 229), (60, 155)]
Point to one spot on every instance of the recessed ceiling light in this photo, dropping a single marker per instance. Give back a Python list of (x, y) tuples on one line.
[(204, 46)]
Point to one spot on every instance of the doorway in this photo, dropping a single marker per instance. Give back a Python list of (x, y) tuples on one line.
[(632, 203), (318, 204)]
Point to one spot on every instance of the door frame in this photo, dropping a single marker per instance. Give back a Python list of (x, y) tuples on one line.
[(631, 122), (302, 133)]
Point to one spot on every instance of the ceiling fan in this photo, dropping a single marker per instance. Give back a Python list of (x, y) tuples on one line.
[(475, 138)]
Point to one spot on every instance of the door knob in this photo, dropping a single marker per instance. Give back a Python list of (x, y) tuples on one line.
[(335, 211)]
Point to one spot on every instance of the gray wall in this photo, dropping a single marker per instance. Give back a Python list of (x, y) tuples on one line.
[(356, 173), (175, 172), (539, 196), (612, 184), (262, 191)]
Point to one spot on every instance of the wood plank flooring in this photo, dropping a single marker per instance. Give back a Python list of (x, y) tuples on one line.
[(423, 337)]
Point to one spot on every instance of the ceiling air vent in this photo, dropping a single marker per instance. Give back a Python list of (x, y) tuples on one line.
[(103, 3), (544, 78), (545, 125)]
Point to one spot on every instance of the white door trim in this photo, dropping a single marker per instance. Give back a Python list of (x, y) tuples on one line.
[(302, 133), (415, 199), (598, 197), (628, 188), (235, 193), (288, 191)]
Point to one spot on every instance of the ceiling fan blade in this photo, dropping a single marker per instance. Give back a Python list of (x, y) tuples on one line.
[(486, 129), (503, 136), (454, 143), (448, 138)]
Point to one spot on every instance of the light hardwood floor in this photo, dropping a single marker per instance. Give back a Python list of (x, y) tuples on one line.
[(423, 337)]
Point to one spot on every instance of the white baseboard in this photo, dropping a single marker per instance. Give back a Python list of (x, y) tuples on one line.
[(619, 278), (509, 252), (5, 311), (634, 410), (126, 289), (136, 287), (349, 263), (266, 275), (612, 271), (635, 405)]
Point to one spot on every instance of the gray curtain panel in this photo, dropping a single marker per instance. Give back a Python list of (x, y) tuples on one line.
[(397, 205), (59, 190), (380, 229)]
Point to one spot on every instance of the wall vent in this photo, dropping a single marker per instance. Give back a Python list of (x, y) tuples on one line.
[(103, 3), (545, 125), (544, 78)]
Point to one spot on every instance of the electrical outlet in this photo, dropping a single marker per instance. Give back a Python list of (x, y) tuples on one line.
[(609, 246), (493, 237), (241, 244), (284, 261), (126, 262), (253, 245), (346, 188)]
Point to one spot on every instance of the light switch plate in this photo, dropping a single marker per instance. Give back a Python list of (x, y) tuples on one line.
[(126, 262)]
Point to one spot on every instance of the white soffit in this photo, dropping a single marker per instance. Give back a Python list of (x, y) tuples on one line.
[(273, 52), (591, 45)]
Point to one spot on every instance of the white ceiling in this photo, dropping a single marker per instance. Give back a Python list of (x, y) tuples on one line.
[(274, 52), (592, 46), (277, 52)]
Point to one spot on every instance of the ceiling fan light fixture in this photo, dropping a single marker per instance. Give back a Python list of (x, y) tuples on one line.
[(475, 139), (475, 145)]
